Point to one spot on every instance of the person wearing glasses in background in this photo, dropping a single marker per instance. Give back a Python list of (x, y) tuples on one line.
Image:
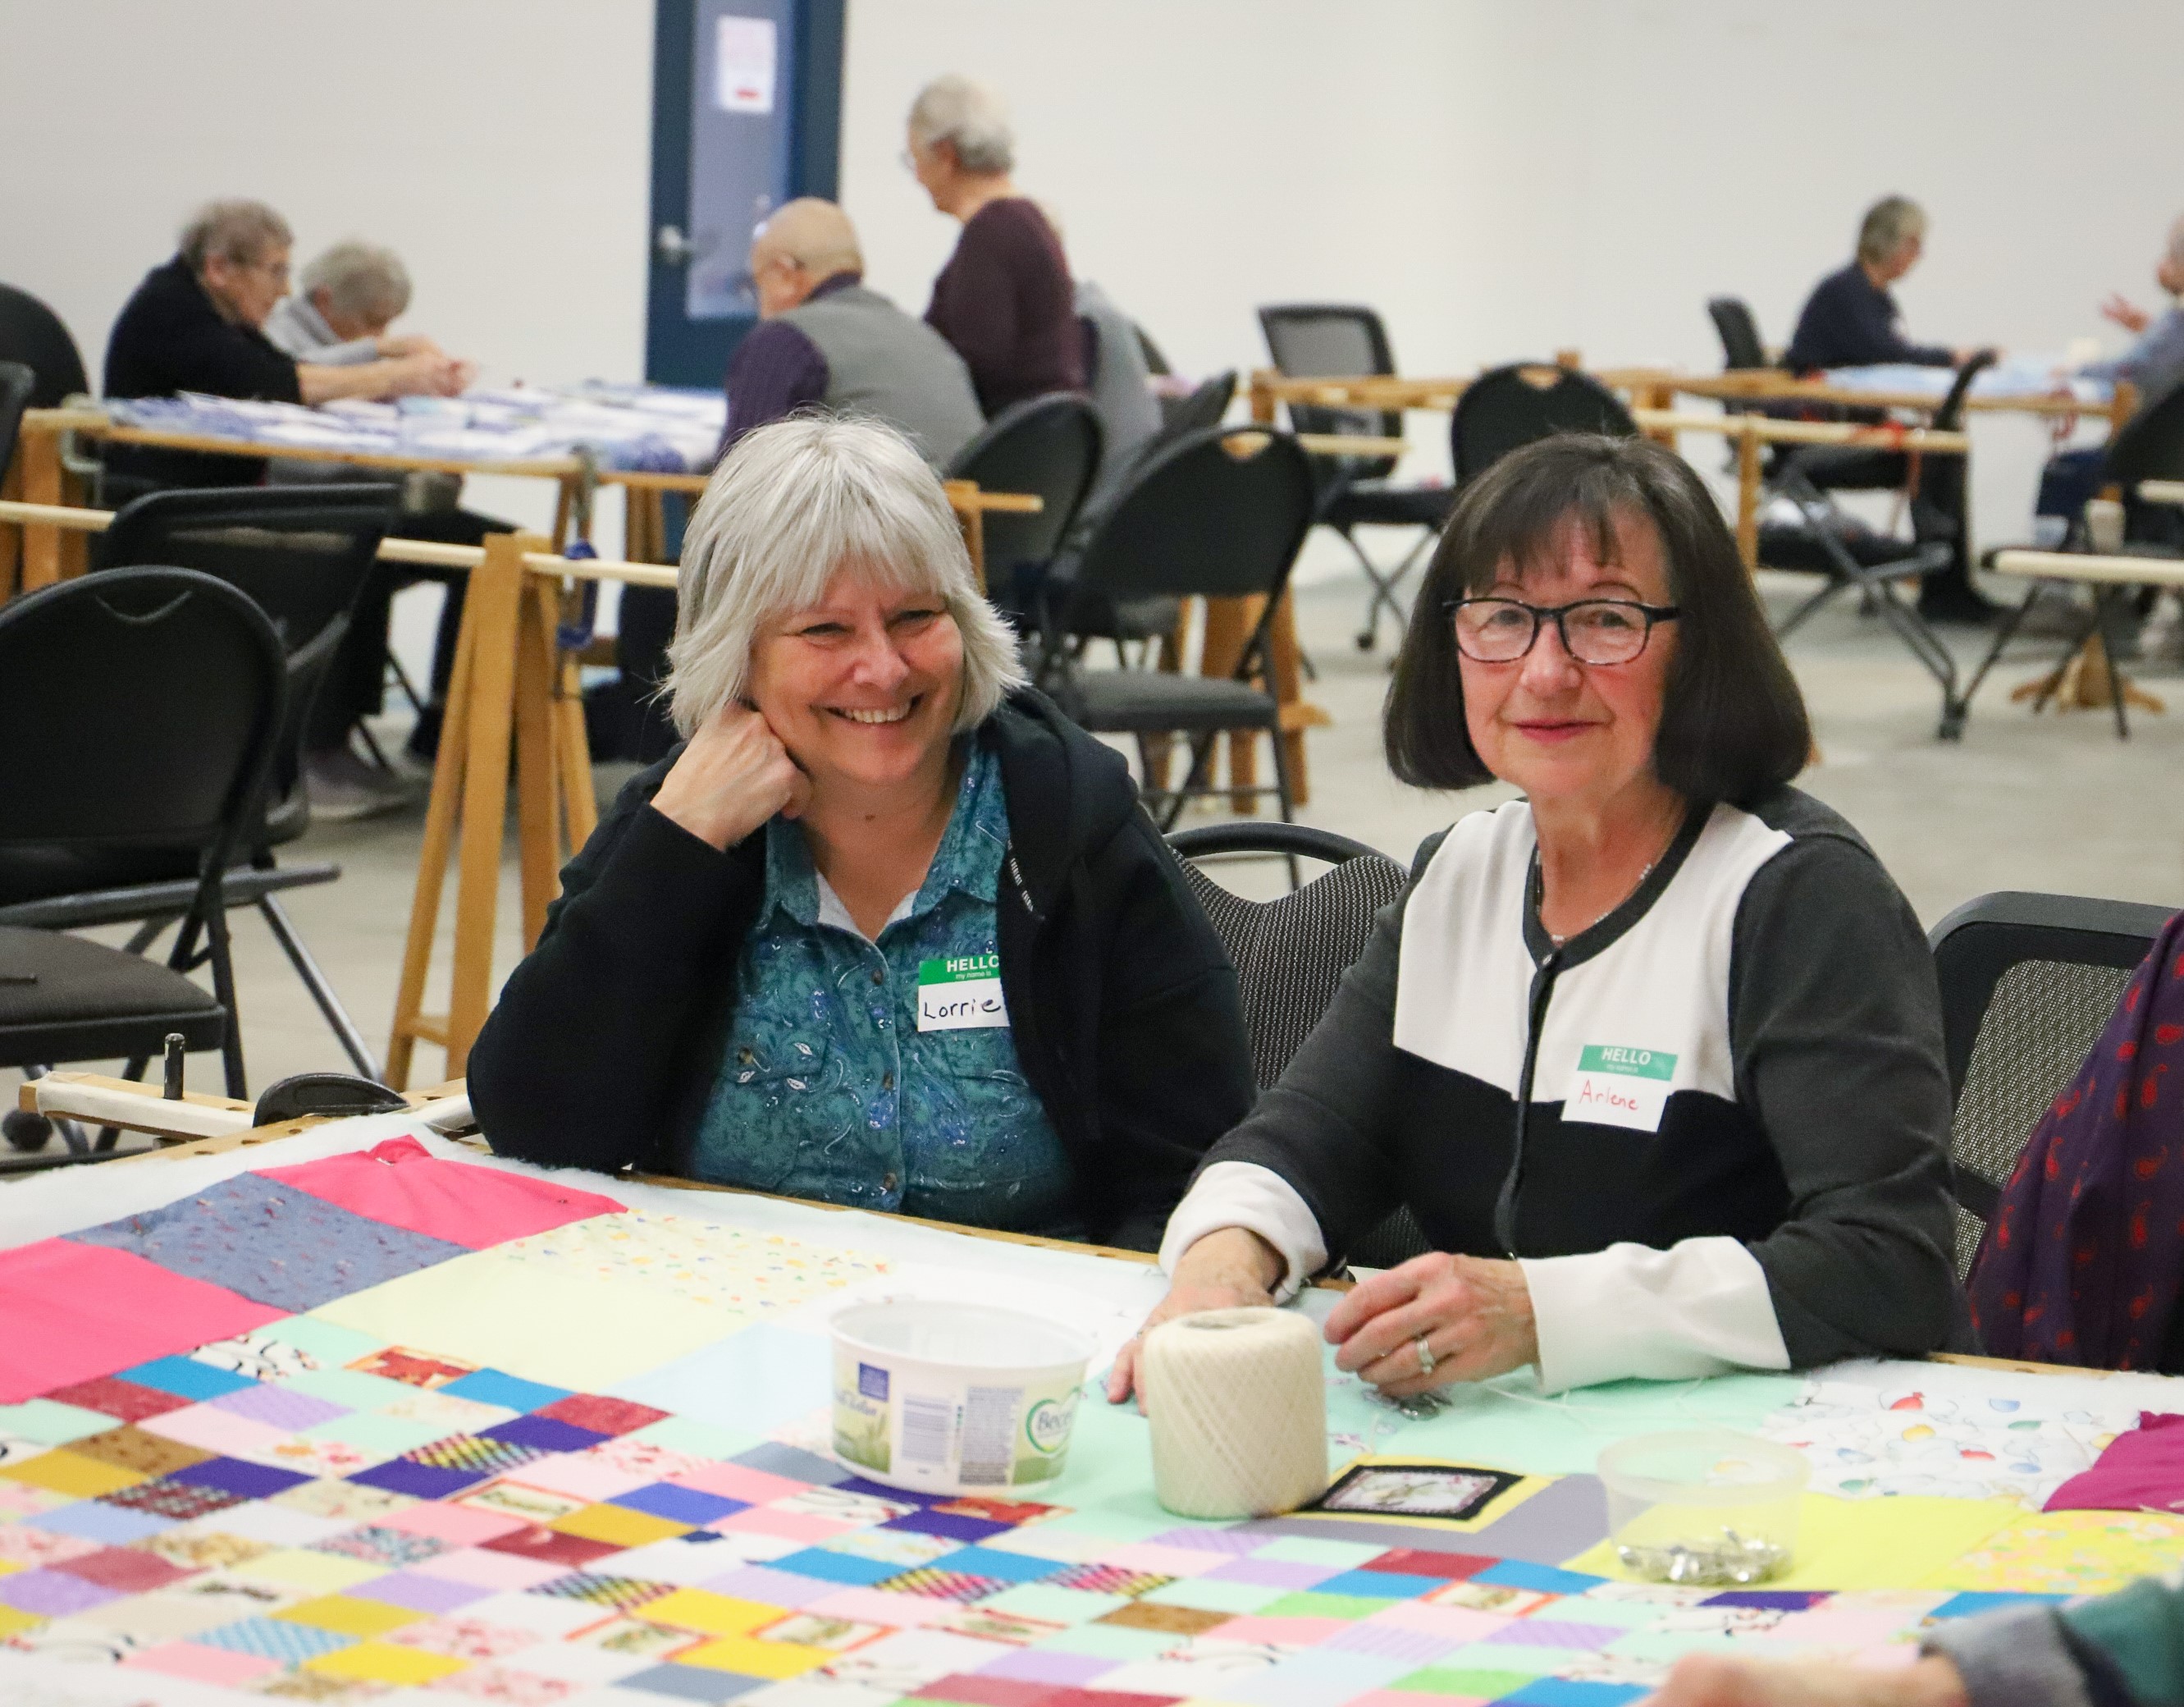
[(1654, 1052)]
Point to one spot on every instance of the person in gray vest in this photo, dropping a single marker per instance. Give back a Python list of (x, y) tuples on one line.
[(829, 340)]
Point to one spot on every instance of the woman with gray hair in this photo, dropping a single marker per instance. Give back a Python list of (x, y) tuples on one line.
[(349, 296), (1004, 299), (1851, 320), (886, 929)]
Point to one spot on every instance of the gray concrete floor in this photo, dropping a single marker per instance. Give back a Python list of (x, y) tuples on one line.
[(2023, 802)]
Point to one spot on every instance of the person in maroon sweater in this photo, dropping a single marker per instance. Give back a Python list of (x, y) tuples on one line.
[(1004, 300)]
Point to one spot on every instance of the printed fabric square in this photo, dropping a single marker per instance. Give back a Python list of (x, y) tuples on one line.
[(76, 1312), (130, 1447), (125, 1402), (401, 1185), (1415, 1490), (271, 1243)]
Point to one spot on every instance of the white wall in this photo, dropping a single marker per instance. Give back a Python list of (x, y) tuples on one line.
[(1501, 180)]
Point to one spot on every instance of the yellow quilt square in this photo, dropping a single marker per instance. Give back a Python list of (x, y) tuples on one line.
[(383, 1662), (753, 1658), (14, 1623), (321, 1573), (618, 1526), (709, 1614), (349, 1617), (71, 1473)]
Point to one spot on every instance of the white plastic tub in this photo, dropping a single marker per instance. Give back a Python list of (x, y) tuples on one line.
[(954, 1398)]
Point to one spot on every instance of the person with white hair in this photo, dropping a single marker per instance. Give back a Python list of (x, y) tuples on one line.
[(197, 323), (350, 295), (886, 929), (2156, 362), (1004, 299), (1851, 320), (829, 340)]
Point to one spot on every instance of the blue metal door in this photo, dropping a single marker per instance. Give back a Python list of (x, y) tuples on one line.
[(746, 115)]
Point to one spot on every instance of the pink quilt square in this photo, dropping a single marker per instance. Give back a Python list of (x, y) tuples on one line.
[(76, 1312), (214, 1430), (579, 1476), (739, 1482), (876, 1606), (217, 1666), (1166, 1561), (498, 1570), (790, 1525), (1455, 1623), (400, 1184), (463, 1525), (1283, 1632)]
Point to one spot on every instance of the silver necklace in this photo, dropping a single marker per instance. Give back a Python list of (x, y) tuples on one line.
[(1541, 878)]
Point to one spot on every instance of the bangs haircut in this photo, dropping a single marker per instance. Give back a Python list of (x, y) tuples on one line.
[(1733, 723), (795, 504)]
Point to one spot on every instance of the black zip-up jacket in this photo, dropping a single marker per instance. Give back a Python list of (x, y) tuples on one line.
[(607, 1040)]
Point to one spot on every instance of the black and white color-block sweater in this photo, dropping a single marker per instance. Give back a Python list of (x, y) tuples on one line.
[(1737, 1110)]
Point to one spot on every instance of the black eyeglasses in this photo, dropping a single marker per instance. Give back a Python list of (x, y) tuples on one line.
[(1593, 631)]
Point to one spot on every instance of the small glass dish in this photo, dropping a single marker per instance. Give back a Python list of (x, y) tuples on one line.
[(1708, 1508)]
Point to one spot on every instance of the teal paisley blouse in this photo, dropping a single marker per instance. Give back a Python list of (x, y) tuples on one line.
[(829, 1089)]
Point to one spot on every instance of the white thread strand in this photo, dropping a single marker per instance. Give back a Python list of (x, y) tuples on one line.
[(1238, 1408)]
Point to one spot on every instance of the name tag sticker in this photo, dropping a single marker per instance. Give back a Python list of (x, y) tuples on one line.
[(962, 993), (1618, 1086)]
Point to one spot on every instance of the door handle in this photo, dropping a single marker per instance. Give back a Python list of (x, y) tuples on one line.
[(672, 247)]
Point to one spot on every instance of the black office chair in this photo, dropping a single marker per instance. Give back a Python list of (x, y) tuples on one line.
[(303, 555), (1290, 954), (2027, 983), (1510, 407), (1208, 405), (1220, 513), (1049, 446), (1342, 340), (1742, 348), (33, 334), (139, 707), (17, 382)]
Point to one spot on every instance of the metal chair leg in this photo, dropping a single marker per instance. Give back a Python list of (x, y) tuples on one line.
[(315, 980), (223, 989)]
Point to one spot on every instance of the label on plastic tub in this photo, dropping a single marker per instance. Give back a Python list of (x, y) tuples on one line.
[(920, 1432)]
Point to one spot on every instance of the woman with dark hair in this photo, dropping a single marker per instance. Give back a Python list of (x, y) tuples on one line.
[(1653, 1053)]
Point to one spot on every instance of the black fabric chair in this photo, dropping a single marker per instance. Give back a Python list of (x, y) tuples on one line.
[(1742, 348), (1290, 954), (1343, 340), (1049, 446), (1205, 406), (1219, 513), (1510, 407), (2027, 983), (33, 334), (303, 555), (137, 708)]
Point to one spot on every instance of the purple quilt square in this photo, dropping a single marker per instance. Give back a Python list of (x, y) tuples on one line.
[(546, 1434), (420, 1591), (894, 1496), (1235, 1540), (1555, 1633), (950, 1525), (281, 1407), (1769, 1600), (238, 1476), (271, 1243), (1033, 1666), (95, 1519), (419, 1480), (679, 1504), (770, 1587), (1273, 1573), (53, 1593), (673, 1682)]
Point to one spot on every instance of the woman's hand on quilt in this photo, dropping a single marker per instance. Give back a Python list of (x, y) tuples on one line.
[(1715, 1680), (1474, 1315), (733, 776), (1228, 1269)]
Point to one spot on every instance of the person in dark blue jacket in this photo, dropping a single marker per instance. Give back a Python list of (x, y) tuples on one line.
[(1851, 320)]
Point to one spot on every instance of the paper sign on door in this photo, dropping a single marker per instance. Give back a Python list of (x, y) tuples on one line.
[(962, 993), (1618, 1086)]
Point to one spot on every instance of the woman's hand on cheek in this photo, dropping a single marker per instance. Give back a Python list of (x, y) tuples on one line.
[(733, 776), (1474, 1314)]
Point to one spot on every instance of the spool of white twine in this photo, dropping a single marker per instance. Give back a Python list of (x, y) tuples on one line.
[(1238, 1413)]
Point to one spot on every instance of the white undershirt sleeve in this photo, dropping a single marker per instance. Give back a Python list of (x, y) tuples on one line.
[(1700, 1308), (1243, 1194)]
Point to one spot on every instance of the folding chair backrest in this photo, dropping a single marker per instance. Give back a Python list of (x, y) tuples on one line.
[(33, 334), (2027, 983), (1205, 407), (1741, 346), (1219, 513), (1337, 341), (1509, 407), (2150, 445), (1047, 446), (137, 707), (1951, 415)]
